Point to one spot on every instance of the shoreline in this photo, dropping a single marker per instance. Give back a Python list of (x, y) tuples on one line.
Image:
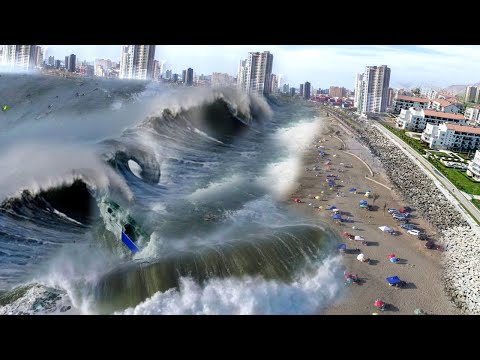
[(420, 268)]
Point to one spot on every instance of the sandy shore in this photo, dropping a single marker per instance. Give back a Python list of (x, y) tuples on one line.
[(420, 267)]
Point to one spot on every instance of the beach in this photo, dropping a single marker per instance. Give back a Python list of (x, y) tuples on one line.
[(355, 167)]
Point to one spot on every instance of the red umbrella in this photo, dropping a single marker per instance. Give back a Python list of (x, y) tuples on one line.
[(391, 256), (296, 200), (378, 303), (345, 234)]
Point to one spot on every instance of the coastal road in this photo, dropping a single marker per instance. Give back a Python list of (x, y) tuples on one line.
[(454, 192)]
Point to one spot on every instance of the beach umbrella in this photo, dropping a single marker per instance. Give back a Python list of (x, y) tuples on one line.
[(353, 190), (360, 257), (330, 176), (331, 207), (331, 183), (363, 202), (341, 246), (393, 259), (317, 197), (391, 256), (345, 234), (378, 303), (419, 312), (349, 280), (336, 217), (375, 313)]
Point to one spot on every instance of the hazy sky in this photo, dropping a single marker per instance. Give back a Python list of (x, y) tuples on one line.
[(322, 65)]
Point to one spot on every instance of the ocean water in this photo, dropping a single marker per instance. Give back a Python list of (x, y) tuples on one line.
[(201, 171)]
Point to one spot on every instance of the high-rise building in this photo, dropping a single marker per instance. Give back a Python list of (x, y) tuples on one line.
[(57, 63), (306, 91), (471, 93), (1, 55), (72, 63), (254, 73), (66, 63), (157, 70), (168, 74), (301, 90), (51, 61), (371, 89), (37, 59), (189, 81), (285, 88), (184, 76), (274, 85), (292, 91), (336, 91), (391, 95), (175, 78), (20, 57), (136, 62)]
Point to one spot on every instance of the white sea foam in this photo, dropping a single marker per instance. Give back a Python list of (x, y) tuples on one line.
[(307, 295), (281, 177)]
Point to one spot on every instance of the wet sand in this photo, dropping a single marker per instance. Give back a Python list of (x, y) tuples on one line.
[(419, 267)]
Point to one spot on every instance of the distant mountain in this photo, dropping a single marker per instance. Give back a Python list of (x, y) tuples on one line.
[(456, 89)]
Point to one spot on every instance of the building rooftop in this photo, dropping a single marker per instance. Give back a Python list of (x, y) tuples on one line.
[(442, 102), (463, 128), (444, 115), (412, 98)]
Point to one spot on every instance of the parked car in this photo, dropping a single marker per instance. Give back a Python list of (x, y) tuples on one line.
[(391, 210), (398, 217), (414, 232), (422, 236), (408, 226)]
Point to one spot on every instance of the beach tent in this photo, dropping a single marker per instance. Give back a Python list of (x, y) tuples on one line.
[(336, 217), (385, 228), (360, 257), (392, 280), (358, 238)]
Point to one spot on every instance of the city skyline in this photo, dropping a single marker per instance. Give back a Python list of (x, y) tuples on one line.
[(321, 65)]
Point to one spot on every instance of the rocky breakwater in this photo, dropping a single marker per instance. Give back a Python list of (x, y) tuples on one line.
[(415, 186), (462, 267)]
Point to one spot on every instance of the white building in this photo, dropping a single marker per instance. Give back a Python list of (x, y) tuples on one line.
[(136, 62), (443, 105), (474, 167), (407, 102), (274, 84), (472, 115), (471, 93), (371, 89), (429, 93), (221, 79), (20, 57), (417, 120), (254, 73), (448, 136)]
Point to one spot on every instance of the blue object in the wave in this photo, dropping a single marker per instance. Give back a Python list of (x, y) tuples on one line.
[(341, 246), (336, 217), (392, 280), (130, 244)]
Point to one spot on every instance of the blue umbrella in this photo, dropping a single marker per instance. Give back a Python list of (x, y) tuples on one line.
[(330, 176), (363, 202), (331, 183), (331, 207), (341, 246), (352, 190), (336, 217)]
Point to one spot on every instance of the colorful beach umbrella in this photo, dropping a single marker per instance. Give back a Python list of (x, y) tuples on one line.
[(336, 217), (391, 256), (393, 259)]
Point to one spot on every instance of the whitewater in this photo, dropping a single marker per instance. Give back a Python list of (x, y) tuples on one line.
[(203, 172)]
